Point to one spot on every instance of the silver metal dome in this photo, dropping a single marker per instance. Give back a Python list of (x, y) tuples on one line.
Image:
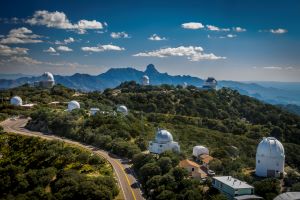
[(47, 76), (270, 147), (16, 101), (163, 136), (73, 105)]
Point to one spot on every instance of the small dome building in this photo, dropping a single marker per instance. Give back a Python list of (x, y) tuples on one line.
[(163, 141), (210, 84), (122, 109), (200, 150), (47, 80), (270, 158), (184, 85), (145, 80), (73, 105), (16, 101)]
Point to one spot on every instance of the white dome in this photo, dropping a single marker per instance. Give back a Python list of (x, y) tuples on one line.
[(145, 80), (184, 85), (73, 105), (16, 100), (122, 109), (163, 136), (199, 150), (270, 147), (270, 158), (47, 76)]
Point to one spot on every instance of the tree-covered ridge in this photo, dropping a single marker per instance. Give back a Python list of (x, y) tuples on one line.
[(32, 168)]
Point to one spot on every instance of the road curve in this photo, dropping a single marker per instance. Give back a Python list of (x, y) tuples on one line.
[(127, 181)]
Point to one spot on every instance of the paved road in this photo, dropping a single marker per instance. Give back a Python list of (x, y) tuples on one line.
[(124, 174)]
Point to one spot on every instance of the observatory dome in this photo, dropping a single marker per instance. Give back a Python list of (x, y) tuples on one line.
[(270, 158), (47, 76), (73, 105), (199, 150), (145, 80), (16, 101), (122, 109), (163, 136)]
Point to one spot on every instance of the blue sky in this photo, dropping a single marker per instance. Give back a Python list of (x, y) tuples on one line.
[(230, 40)]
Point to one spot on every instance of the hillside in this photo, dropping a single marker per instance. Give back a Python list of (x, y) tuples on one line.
[(32, 168), (115, 76), (228, 123)]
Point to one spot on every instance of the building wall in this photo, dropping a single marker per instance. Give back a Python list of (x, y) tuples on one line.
[(159, 148), (230, 192), (263, 164)]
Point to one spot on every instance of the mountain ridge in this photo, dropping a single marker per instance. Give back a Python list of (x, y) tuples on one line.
[(115, 76)]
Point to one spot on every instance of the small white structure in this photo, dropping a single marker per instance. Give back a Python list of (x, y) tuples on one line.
[(73, 105), (199, 150), (122, 109), (145, 80), (93, 111), (163, 141), (210, 84), (184, 85), (270, 158), (16, 101)]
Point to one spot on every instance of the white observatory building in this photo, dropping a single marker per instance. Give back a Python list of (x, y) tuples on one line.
[(73, 105), (16, 101), (270, 158), (122, 109), (200, 150), (210, 84), (47, 80), (145, 80), (163, 141)]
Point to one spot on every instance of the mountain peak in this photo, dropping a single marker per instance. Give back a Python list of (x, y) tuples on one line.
[(151, 69)]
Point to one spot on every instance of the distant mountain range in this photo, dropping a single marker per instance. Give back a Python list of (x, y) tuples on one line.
[(270, 92)]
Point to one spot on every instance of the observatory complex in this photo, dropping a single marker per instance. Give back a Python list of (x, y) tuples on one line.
[(47, 81), (270, 158), (163, 142)]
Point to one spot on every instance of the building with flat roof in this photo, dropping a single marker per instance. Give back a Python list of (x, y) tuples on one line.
[(233, 188)]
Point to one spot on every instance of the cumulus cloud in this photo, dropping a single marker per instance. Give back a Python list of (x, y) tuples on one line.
[(20, 36), (101, 48), (215, 28), (66, 41), (117, 35), (60, 20), (156, 37), (50, 50), (190, 52), (192, 25), (238, 29), (64, 48), (278, 31), (9, 51)]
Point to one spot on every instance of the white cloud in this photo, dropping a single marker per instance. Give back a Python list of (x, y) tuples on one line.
[(66, 41), (278, 31), (156, 37), (20, 36), (215, 28), (64, 48), (9, 51), (238, 29), (60, 20), (192, 53), (192, 25), (23, 60), (117, 35), (101, 48), (278, 68), (231, 35), (50, 50)]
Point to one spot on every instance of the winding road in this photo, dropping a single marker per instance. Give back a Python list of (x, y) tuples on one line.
[(126, 179)]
